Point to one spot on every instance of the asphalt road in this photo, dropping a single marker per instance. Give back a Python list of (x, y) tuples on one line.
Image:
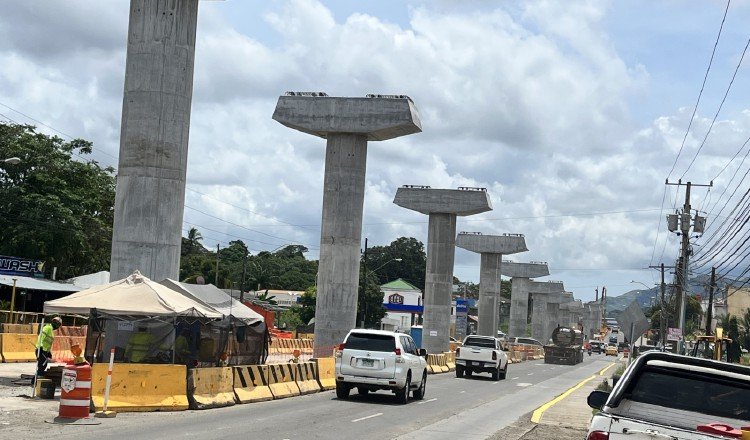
[(453, 408)]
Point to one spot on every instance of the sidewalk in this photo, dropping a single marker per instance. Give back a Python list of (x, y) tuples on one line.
[(567, 419)]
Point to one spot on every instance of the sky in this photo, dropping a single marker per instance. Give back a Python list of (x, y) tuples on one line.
[(570, 113)]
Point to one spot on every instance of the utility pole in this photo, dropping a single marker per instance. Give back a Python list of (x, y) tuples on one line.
[(662, 313), (244, 272), (216, 277), (364, 284), (685, 225), (710, 312)]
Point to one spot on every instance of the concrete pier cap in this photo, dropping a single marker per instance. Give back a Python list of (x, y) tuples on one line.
[(533, 269), (491, 244), (377, 117), (427, 200)]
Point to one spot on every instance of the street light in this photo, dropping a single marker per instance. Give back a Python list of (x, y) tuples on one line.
[(644, 285), (12, 160), (383, 265)]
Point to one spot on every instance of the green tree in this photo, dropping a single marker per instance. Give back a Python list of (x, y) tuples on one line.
[(306, 310), (53, 207), (192, 243), (370, 302), (289, 319), (411, 268)]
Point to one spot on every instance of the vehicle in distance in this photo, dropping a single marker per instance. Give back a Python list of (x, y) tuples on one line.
[(597, 346), (527, 341), (668, 396), (481, 354), (371, 360), (610, 351), (566, 347)]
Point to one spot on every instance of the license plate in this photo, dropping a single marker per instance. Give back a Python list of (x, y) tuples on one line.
[(368, 362), (476, 364)]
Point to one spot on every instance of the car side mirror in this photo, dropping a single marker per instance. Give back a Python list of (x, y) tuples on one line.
[(422, 352), (597, 399)]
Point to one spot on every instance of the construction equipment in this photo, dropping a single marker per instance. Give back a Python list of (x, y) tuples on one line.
[(713, 347), (566, 347)]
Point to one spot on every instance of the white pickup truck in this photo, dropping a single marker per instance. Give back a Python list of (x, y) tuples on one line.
[(481, 354), (663, 396)]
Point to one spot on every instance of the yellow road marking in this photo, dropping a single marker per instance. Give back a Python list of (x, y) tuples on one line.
[(536, 417), (601, 373)]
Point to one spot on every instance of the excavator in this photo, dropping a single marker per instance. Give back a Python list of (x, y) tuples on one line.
[(713, 347)]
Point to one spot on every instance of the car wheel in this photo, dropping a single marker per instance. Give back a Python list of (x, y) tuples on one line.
[(468, 372), (418, 394), (363, 391), (402, 395), (504, 372), (342, 390), (459, 371), (496, 374)]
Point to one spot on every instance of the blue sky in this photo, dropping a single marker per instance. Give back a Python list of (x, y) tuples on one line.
[(571, 113)]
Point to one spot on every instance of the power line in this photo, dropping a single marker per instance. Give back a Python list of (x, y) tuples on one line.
[(703, 85)]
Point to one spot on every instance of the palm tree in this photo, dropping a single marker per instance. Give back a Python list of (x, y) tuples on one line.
[(194, 238)]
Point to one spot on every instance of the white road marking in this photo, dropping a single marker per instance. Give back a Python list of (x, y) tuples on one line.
[(495, 383), (514, 378), (530, 374), (538, 365), (427, 401), (524, 384), (462, 392), (368, 417)]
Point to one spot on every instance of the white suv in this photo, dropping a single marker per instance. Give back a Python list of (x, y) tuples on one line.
[(373, 360)]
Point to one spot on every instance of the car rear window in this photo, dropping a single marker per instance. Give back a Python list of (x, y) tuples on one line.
[(479, 342), (370, 342), (706, 394)]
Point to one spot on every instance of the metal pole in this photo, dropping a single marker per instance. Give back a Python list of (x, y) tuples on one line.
[(216, 278), (685, 258), (109, 379), (13, 302), (364, 284), (38, 350), (710, 312), (663, 317)]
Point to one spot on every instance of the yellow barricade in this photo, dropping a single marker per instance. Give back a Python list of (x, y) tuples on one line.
[(141, 387), (306, 373), (326, 373), (61, 347), (450, 360), (18, 347), (442, 363), (433, 364), (281, 381), (251, 383), (210, 387), (26, 329)]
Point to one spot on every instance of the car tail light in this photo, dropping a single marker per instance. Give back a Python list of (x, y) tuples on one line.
[(342, 347), (458, 351), (398, 352), (494, 355), (598, 435)]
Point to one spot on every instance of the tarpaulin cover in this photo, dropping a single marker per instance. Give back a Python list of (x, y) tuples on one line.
[(217, 299)]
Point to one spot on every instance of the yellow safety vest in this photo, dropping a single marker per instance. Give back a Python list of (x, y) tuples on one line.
[(46, 337)]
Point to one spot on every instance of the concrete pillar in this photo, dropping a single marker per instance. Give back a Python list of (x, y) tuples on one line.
[(539, 319), (492, 248), (150, 195), (544, 313), (521, 274), (442, 205), (347, 124)]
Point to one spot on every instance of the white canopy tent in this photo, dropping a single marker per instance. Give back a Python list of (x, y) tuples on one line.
[(217, 299), (134, 295)]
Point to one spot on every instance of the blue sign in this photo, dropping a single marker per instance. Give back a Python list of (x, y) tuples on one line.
[(15, 266)]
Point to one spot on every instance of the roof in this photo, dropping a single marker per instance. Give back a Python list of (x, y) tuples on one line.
[(134, 295), (399, 284), (375, 332), (38, 284), (90, 280), (215, 298)]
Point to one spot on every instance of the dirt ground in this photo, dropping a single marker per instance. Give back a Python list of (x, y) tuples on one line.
[(19, 413), (524, 429)]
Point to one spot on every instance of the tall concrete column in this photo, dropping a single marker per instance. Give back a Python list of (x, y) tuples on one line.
[(150, 195), (347, 124), (542, 314), (521, 274), (442, 205), (492, 248)]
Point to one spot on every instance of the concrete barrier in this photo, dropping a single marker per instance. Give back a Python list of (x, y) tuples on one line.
[(210, 387), (251, 383), (305, 378), (326, 373), (25, 329), (141, 387), (450, 360), (17, 347), (281, 381)]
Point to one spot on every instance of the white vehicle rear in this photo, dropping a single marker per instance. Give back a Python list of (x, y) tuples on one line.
[(481, 354), (372, 360)]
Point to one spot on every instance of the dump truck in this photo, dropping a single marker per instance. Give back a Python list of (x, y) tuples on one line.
[(566, 347)]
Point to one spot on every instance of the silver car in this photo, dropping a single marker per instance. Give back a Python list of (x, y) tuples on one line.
[(372, 360)]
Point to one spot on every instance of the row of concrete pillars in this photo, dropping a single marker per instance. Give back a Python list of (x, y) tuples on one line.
[(150, 193)]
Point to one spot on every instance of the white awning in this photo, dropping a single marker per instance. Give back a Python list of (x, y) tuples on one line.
[(37, 284)]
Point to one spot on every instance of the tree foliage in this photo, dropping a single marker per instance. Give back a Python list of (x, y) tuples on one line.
[(53, 207), (382, 261)]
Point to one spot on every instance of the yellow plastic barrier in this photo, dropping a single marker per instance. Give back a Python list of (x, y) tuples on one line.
[(434, 364), (281, 381), (450, 360), (251, 384), (61, 347), (26, 329), (210, 387), (326, 373), (306, 378), (141, 387), (18, 347)]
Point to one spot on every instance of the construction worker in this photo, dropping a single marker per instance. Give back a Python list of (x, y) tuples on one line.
[(44, 345), (139, 345), (182, 347)]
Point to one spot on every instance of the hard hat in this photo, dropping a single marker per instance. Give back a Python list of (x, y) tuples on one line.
[(56, 322)]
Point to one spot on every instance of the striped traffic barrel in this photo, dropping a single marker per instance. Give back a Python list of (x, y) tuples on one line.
[(75, 394)]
